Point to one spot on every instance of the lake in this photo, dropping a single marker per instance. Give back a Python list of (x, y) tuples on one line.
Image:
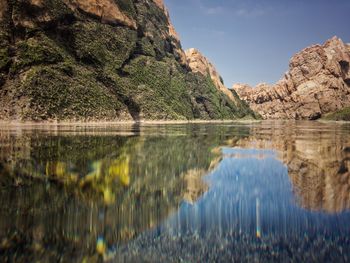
[(248, 192)]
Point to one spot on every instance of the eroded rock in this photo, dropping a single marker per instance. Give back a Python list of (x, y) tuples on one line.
[(317, 83), (107, 10), (199, 63), (3, 9)]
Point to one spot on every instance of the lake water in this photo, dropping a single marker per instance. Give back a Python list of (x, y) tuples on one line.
[(254, 192)]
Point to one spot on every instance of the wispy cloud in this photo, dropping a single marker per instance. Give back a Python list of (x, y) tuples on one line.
[(213, 10), (209, 10), (250, 13), (208, 31), (240, 10)]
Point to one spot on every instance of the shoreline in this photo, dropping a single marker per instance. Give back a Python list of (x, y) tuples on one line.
[(113, 123), (14, 123)]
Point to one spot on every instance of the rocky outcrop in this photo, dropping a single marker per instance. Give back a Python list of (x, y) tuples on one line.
[(3, 9), (317, 83), (107, 10), (100, 60), (171, 31), (199, 63)]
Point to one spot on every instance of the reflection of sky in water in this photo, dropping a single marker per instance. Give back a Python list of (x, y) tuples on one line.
[(157, 194), (250, 192)]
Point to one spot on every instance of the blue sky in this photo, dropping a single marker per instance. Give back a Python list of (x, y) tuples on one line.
[(252, 41)]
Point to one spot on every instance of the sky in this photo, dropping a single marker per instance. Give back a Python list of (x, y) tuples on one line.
[(252, 41)]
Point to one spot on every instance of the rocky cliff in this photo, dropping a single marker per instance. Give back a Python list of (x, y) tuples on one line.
[(100, 60), (317, 83), (198, 63)]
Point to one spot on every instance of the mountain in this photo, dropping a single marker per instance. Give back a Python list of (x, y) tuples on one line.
[(198, 63), (317, 83), (101, 60)]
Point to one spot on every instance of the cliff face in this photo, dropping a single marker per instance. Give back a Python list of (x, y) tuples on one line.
[(317, 83), (100, 60), (198, 63)]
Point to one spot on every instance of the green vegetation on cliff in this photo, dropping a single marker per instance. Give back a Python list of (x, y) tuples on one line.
[(68, 64), (342, 115)]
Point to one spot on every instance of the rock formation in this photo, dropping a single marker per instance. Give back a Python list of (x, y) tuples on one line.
[(199, 63), (100, 60), (107, 10), (3, 9), (317, 83)]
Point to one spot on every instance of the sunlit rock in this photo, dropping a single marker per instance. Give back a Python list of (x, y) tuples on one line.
[(107, 10), (317, 83), (198, 63)]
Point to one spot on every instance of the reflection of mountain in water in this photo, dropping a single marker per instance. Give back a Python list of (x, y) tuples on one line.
[(318, 160), (70, 196), (86, 187)]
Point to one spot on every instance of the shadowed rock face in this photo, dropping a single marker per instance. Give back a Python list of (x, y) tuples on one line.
[(100, 60), (3, 9), (317, 83), (172, 30)]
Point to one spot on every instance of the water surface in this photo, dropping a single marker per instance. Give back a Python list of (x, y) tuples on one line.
[(266, 191)]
